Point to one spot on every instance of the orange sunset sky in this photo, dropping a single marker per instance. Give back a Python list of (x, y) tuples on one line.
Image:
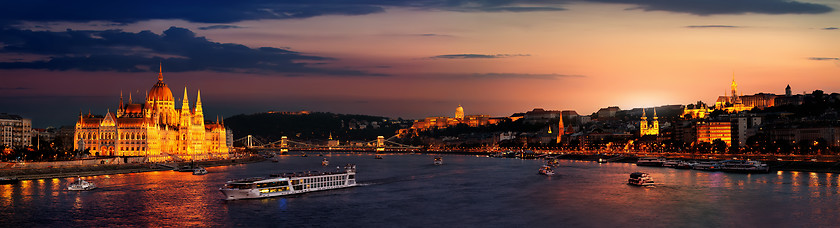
[(411, 59)]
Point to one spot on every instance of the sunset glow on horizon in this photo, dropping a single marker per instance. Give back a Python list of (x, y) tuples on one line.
[(414, 60)]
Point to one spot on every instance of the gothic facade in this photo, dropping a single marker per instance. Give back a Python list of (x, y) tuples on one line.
[(153, 129)]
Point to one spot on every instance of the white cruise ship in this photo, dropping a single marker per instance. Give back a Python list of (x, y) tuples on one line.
[(288, 184)]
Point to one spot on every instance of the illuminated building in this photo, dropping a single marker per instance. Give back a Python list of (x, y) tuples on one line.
[(696, 111), (15, 131), (460, 118), (711, 131), (648, 129), (732, 103), (153, 129)]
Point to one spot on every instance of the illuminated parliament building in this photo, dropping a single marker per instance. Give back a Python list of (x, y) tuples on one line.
[(153, 129)]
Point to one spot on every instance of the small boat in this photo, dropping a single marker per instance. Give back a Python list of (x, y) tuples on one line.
[(9, 180), (81, 185), (377, 157), (709, 166), (650, 162), (438, 160), (275, 159), (640, 179), (199, 171), (304, 155), (553, 162), (325, 162), (546, 170)]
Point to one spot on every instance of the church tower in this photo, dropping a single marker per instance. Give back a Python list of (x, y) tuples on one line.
[(560, 130), (787, 91), (645, 129), (735, 99), (655, 129), (643, 124)]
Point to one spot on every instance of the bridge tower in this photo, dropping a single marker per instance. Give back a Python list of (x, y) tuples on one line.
[(380, 143), (249, 142), (284, 144)]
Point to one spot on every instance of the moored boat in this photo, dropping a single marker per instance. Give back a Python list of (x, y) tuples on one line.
[(81, 185), (640, 179), (546, 170), (685, 165), (738, 166), (288, 184), (199, 171), (671, 163), (707, 165), (9, 180), (650, 161)]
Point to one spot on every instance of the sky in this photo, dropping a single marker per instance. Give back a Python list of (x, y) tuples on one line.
[(409, 59)]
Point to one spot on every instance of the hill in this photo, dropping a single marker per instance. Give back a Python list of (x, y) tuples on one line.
[(317, 126)]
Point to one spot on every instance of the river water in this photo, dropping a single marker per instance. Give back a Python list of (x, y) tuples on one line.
[(409, 191)]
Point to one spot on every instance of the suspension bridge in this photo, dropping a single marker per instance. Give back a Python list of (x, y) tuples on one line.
[(284, 145)]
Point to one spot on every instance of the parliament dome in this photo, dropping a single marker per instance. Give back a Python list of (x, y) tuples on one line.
[(160, 91)]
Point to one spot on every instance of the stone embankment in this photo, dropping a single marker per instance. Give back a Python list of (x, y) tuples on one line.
[(95, 170)]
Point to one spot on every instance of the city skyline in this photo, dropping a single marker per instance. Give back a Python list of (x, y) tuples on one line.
[(412, 59)]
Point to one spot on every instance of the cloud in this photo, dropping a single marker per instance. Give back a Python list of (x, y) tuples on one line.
[(219, 27), (714, 7), (180, 49), (476, 56), (830, 28), (12, 12), (822, 58), (712, 26)]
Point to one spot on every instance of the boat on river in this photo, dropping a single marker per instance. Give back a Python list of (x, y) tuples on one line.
[(640, 179), (325, 162), (199, 171), (289, 184), (650, 161), (707, 165), (9, 180), (377, 157), (671, 163), (81, 185), (546, 170), (739, 166), (438, 160)]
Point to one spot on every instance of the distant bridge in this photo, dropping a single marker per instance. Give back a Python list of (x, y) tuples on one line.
[(284, 144)]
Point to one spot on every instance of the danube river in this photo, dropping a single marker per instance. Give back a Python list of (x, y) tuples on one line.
[(409, 191)]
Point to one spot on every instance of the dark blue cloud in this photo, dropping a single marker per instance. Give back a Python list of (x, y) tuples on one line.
[(712, 7), (181, 49), (219, 27), (830, 28), (215, 11), (475, 56)]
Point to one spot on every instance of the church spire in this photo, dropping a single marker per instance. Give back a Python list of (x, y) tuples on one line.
[(654, 114), (160, 72), (121, 100), (185, 105)]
